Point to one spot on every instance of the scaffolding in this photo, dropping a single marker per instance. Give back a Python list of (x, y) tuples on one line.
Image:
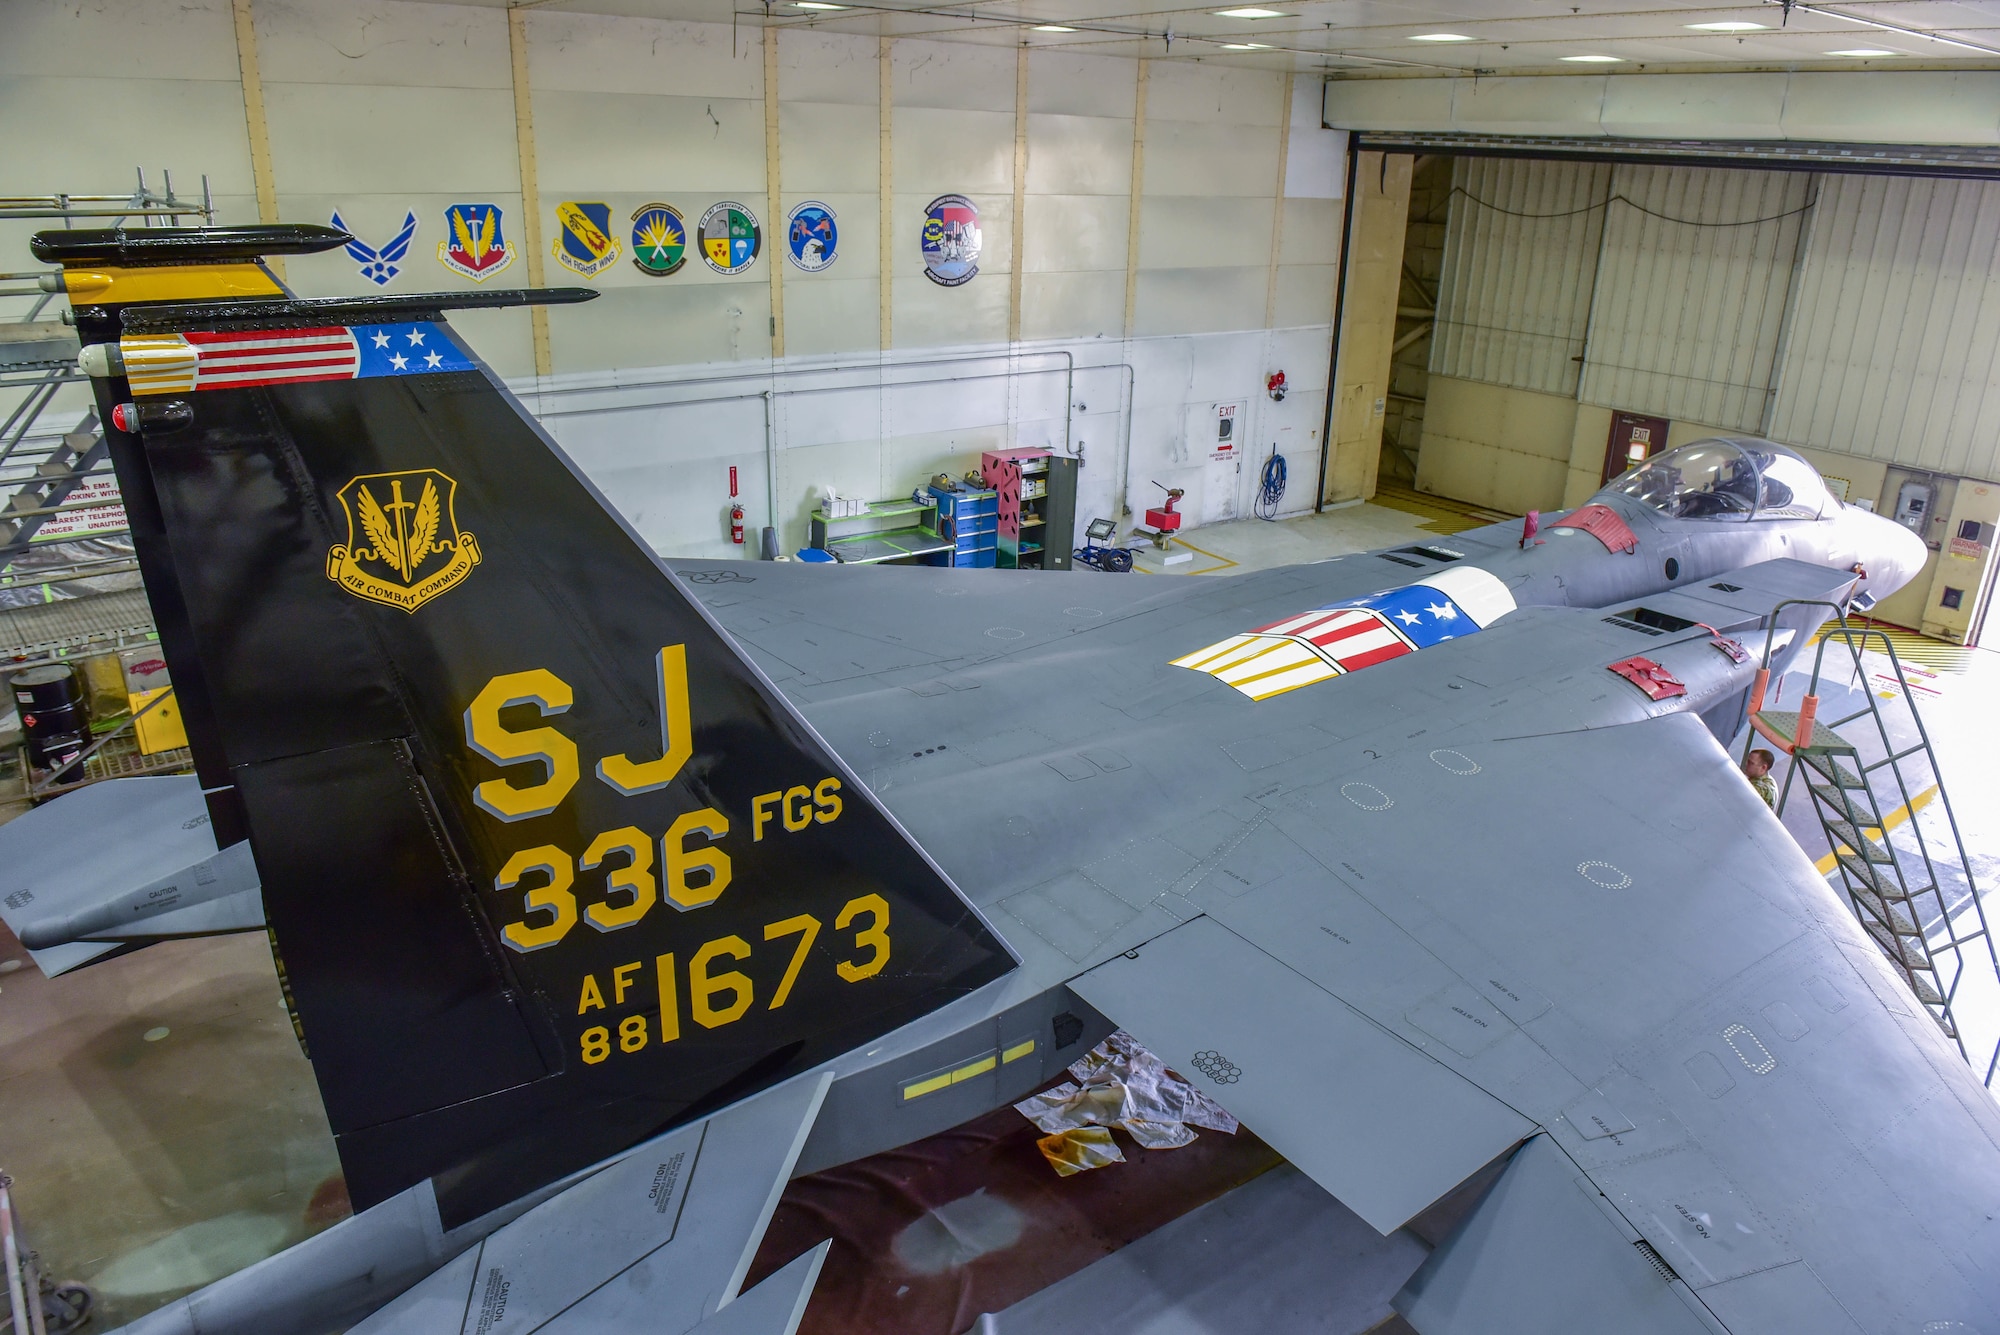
[(69, 587)]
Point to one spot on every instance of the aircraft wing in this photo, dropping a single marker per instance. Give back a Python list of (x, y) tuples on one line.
[(812, 627), (1437, 912), (1600, 939)]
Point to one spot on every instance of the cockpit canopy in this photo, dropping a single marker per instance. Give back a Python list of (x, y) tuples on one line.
[(1737, 477)]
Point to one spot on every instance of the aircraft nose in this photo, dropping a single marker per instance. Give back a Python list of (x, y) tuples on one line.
[(1894, 557)]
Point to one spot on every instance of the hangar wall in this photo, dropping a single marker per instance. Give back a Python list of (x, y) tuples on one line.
[(379, 108), (1855, 317)]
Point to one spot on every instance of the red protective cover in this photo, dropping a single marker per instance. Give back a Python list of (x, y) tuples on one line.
[(1602, 522), (1650, 677), (1163, 521)]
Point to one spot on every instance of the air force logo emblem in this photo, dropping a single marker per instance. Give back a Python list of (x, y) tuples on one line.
[(379, 266), (403, 546)]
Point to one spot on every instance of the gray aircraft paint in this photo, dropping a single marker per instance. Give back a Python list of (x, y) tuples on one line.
[(1511, 861)]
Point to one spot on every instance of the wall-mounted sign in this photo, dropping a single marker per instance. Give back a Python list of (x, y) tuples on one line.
[(812, 239), (378, 266), (584, 244), (1224, 446), (473, 244), (951, 240), (659, 240), (730, 238)]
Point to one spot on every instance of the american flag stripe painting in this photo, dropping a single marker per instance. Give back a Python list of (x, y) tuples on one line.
[(1332, 641), (276, 357), (237, 359)]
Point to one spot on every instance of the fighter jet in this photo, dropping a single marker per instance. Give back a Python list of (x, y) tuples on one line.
[(610, 893)]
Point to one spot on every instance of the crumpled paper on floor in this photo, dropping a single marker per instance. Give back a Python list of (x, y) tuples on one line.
[(1080, 1149), (1118, 1083)]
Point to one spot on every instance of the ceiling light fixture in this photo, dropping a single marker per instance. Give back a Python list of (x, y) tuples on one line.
[(1864, 52), (1595, 60), (816, 4), (1728, 25), (1052, 27), (1246, 46), (1249, 12), (1440, 37)]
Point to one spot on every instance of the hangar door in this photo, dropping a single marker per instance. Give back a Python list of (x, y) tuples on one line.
[(1563, 310)]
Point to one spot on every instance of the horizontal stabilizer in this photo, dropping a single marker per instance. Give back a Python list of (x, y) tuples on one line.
[(1383, 1127), (1543, 1253), (122, 860), (774, 1307), (168, 906), (657, 1241)]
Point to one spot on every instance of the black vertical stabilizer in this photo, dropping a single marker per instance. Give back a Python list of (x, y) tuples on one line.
[(550, 865)]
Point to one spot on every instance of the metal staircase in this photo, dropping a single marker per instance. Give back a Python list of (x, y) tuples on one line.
[(80, 454), (1869, 772)]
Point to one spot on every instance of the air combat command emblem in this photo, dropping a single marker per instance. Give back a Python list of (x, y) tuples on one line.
[(659, 240), (473, 245), (584, 244), (410, 548)]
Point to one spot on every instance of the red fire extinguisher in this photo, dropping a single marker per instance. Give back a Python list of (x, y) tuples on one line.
[(735, 511)]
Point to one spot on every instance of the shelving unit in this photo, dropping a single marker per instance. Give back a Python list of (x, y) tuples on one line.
[(969, 517), (1037, 510), (887, 531)]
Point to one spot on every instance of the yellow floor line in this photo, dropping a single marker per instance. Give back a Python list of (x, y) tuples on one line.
[(1889, 822), (1226, 562), (1205, 570)]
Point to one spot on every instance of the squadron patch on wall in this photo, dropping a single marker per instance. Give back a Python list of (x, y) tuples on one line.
[(951, 240), (812, 238), (659, 240), (584, 244), (403, 545), (730, 238), (378, 266), (473, 243)]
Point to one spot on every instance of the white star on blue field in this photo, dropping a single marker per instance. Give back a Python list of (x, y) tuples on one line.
[(407, 349)]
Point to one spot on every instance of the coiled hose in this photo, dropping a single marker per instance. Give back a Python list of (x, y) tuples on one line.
[(1271, 486)]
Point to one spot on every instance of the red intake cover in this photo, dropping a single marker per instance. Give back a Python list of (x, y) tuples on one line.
[(1602, 522), (1650, 677)]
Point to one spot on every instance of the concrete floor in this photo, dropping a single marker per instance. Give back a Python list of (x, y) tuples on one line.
[(162, 1128)]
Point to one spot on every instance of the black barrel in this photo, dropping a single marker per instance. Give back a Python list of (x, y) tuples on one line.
[(53, 719), (49, 687)]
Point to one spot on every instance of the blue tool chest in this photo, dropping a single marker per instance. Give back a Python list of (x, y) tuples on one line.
[(970, 517)]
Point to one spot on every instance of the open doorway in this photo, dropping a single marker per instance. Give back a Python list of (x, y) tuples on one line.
[(1416, 320)]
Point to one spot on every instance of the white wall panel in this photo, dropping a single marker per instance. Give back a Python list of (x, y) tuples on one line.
[(827, 67), (596, 53), (1894, 350), (1079, 155), (1062, 83), (1691, 292), (382, 43), (1214, 95), (1519, 261)]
